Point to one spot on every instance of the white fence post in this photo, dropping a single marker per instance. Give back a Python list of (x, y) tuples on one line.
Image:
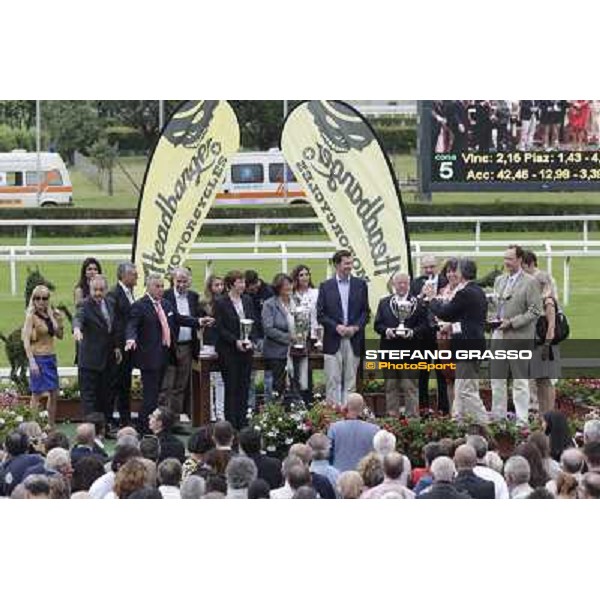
[(284, 258), (548, 246), (13, 272), (566, 279), (256, 237), (585, 234), (29, 237), (477, 234)]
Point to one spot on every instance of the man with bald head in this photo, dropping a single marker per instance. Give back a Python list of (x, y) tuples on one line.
[(352, 438), (400, 386), (465, 459), (85, 443)]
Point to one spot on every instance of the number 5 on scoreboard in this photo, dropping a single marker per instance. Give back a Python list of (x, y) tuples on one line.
[(446, 170)]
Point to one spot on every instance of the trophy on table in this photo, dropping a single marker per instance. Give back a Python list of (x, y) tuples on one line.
[(301, 327), (493, 308), (320, 332), (401, 309), (245, 330)]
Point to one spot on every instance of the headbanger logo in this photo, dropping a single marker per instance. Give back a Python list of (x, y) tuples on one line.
[(189, 125), (340, 127)]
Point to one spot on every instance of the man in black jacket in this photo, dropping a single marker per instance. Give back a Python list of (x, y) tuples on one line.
[(401, 386), (467, 311), (175, 386), (443, 487), (122, 298), (161, 422), (269, 468), (465, 460), (97, 349)]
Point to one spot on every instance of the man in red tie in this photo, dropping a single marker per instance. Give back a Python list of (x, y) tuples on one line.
[(149, 334)]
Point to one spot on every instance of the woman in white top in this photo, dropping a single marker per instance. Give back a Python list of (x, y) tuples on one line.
[(304, 294)]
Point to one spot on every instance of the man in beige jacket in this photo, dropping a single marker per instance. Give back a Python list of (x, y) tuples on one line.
[(520, 305)]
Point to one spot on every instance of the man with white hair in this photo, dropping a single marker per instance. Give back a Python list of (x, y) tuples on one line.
[(57, 462), (352, 438), (517, 474), (320, 446), (240, 473), (572, 462), (480, 445), (193, 488), (296, 475), (392, 468), (384, 443), (591, 431), (443, 488), (85, 443)]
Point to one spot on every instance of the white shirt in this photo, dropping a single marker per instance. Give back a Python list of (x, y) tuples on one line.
[(500, 487), (127, 291), (520, 492), (102, 486), (169, 492), (282, 493), (183, 308)]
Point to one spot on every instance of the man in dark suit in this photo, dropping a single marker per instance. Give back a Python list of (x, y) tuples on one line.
[(467, 311), (401, 386), (175, 386), (97, 349), (150, 333), (342, 309), (465, 460), (435, 281), (122, 298), (443, 487), (269, 468)]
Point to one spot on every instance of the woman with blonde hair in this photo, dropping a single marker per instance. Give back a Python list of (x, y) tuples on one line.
[(42, 325)]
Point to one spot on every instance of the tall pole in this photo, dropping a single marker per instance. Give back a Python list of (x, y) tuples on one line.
[(285, 187), (38, 143)]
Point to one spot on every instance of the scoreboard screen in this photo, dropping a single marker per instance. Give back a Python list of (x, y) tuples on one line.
[(512, 145)]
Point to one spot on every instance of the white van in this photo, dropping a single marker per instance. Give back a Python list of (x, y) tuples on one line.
[(257, 178), (19, 179)]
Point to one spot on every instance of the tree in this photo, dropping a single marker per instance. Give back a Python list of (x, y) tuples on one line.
[(104, 155), (260, 122), (17, 114), (72, 125)]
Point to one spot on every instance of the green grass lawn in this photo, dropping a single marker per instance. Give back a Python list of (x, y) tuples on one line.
[(582, 309), (87, 193)]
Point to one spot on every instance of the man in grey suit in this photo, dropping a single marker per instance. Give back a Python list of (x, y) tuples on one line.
[(520, 305)]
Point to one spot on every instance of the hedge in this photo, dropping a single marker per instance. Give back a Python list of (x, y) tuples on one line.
[(414, 209), (397, 139), (128, 139)]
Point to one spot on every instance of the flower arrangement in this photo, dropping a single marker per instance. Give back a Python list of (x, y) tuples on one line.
[(580, 391), (13, 412)]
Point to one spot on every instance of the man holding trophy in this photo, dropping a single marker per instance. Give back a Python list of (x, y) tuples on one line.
[(236, 339), (401, 322)]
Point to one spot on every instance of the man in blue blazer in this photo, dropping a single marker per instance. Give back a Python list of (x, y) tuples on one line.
[(342, 310), (151, 334)]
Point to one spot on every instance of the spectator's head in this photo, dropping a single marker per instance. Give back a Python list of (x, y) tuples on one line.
[(213, 287), (467, 269), (90, 267), (393, 464), (122, 455), (306, 492), (530, 262), (59, 460), (200, 442), (216, 483), (192, 488), (86, 470), (591, 431), (465, 458), (430, 452), (556, 428), (572, 461), (516, 471), (541, 442), (253, 281), (320, 445), (155, 286), (127, 274), (350, 485), (169, 472), (59, 488), (85, 434), (282, 285), (298, 475), (493, 461), (355, 405), (36, 487), (150, 447), (450, 271), (235, 282), (240, 473), (151, 471), (215, 495), (480, 445), (342, 262), (400, 283), (545, 283), (513, 258), (301, 277), (540, 493), (592, 456), (126, 431), (16, 444), (161, 419), (34, 434), (288, 463), (129, 478), (128, 440), (370, 468), (384, 442), (538, 475), (429, 266), (223, 434), (443, 470), (259, 490), (590, 486), (145, 493), (302, 451), (56, 439), (447, 446), (98, 420), (250, 441), (566, 486)]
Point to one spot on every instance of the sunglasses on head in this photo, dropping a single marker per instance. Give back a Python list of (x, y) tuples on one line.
[(41, 297)]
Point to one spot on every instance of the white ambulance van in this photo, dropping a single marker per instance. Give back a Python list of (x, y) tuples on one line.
[(19, 180), (258, 178)]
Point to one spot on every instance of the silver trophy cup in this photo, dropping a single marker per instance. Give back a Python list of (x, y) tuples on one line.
[(246, 329), (493, 309), (401, 309), (301, 327)]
